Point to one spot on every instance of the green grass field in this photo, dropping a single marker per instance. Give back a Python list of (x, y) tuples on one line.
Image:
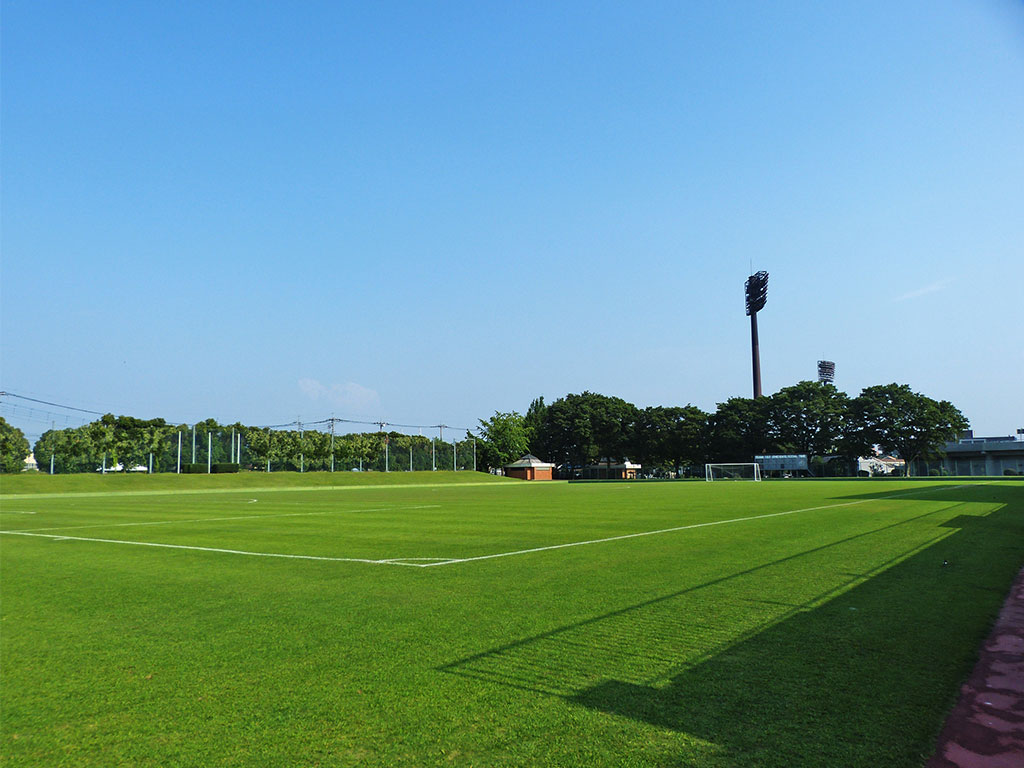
[(324, 620)]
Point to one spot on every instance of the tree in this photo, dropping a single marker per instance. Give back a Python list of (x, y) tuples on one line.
[(906, 423), (671, 437), (505, 434), (533, 424), (738, 430), (808, 417), (580, 429), (13, 447)]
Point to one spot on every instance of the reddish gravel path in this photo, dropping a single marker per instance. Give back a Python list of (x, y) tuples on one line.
[(986, 728)]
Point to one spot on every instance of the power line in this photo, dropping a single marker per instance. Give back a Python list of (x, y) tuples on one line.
[(55, 405), (328, 421)]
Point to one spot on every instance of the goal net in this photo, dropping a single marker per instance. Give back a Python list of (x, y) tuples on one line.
[(750, 471)]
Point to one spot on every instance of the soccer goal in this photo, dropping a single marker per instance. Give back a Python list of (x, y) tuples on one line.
[(750, 471)]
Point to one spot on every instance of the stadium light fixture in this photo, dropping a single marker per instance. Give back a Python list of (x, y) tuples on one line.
[(756, 293), (826, 371)]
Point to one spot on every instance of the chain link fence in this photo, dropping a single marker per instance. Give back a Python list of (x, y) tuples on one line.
[(201, 449)]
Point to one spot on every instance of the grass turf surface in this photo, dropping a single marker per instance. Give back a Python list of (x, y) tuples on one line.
[(828, 632)]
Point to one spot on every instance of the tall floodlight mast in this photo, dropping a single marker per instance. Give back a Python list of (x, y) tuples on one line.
[(756, 291), (826, 371)]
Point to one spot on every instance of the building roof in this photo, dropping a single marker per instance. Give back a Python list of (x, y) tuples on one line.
[(529, 460), (609, 464)]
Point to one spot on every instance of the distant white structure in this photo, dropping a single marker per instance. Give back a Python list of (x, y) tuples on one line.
[(880, 465), (30, 463)]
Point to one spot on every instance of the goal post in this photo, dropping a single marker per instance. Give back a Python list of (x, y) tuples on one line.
[(746, 471)]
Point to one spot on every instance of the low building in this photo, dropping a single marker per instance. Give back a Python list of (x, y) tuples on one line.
[(529, 467), (881, 465), (606, 469), (30, 463), (970, 455)]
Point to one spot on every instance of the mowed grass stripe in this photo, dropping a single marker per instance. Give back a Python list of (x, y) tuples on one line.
[(220, 519), (437, 560), (835, 637)]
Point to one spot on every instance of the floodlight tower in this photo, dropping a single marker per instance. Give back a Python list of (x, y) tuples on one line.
[(826, 371), (756, 292)]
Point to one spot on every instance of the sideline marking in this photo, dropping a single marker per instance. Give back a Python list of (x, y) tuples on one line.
[(413, 562), (266, 489), (670, 530), (219, 519), (55, 537)]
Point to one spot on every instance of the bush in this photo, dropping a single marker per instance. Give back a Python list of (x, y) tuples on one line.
[(193, 469), (1009, 472), (223, 467)]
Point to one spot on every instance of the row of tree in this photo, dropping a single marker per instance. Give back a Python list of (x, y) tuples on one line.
[(127, 443), (807, 418)]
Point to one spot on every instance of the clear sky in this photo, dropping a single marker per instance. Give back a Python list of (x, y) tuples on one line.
[(425, 212)]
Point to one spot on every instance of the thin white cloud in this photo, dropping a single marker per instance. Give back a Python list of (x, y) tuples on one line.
[(349, 397), (925, 290)]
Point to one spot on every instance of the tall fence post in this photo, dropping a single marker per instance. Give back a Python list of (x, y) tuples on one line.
[(179, 452), (51, 463), (209, 452)]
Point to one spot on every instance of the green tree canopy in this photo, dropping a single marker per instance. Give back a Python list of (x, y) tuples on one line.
[(506, 436), (906, 423), (739, 429), (807, 417), (671, 437), (580, 429), (13, 447)]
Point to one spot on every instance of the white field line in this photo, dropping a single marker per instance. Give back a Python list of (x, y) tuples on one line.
[(213, 549), (219, 519), (414, 562), (5, 497), (671, 530)]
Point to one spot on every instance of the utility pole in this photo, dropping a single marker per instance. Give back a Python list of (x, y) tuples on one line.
[(179, 453), (381, 425)]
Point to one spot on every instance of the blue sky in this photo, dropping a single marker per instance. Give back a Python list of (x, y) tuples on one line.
[(426, 212)]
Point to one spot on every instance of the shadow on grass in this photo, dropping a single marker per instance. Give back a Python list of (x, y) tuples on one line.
[(861, 674)]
